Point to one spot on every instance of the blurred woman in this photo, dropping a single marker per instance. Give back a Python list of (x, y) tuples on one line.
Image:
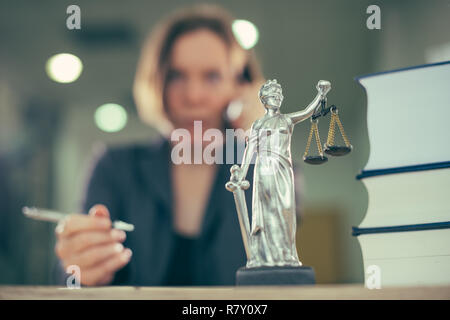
[(186, 228)]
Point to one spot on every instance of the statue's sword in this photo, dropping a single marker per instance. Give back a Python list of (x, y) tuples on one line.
[(238, 187)]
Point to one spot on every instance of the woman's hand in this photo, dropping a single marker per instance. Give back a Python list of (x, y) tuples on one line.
[(89, 242), (245, 102), (252, 109)]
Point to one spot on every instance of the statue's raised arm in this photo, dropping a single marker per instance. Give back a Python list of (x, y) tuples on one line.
[(323, 87)]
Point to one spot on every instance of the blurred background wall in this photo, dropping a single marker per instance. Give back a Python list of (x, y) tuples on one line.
[(48, 134)]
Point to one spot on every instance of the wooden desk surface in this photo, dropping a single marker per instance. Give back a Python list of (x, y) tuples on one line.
[(319, 292)]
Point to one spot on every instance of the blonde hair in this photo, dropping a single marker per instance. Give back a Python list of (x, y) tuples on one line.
[(152, 69)]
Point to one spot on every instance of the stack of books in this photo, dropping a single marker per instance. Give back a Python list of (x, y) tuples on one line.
[(405, 234)]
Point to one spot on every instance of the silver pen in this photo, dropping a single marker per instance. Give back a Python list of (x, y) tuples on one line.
[(54, 216)]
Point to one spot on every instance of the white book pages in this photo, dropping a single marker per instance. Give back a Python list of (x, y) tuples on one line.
[(416, 271), (408, 258), (407, 244), (408, 116), (408, 198)]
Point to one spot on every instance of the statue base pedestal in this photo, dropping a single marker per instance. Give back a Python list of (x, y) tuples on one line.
[(272, 276)]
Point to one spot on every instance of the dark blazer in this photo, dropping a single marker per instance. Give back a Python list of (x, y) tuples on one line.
[(134, 182)]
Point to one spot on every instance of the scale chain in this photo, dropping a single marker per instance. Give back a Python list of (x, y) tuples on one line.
[(341, 128), (319, 146), (308, 143)]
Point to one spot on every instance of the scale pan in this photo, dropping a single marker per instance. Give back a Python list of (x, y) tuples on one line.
[(337, 150), (315, 159)]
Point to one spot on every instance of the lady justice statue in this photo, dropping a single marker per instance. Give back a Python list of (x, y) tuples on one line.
[(270, 240)]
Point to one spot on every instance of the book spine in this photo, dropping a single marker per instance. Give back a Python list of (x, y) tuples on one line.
[(402, 228), (421, 167)]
